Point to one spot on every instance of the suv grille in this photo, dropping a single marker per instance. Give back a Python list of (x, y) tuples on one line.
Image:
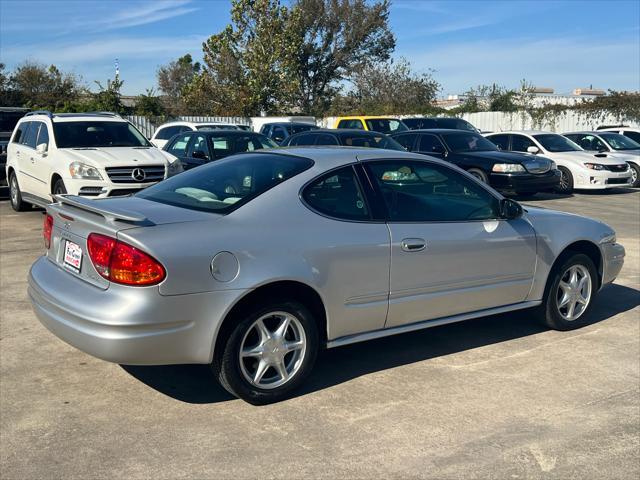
[(146, 174)]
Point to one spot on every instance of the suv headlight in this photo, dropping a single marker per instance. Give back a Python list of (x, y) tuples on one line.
[(84, 171), (594, 166), (508, 168), (174, 168)]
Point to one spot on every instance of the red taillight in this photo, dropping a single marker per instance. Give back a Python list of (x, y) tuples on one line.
[(47, 230), (121, 263)]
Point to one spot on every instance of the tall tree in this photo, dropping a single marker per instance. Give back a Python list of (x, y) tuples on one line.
[(336, 38), (173, 79), (44, 87)]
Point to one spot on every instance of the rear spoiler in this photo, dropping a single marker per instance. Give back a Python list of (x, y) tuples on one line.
[(93, 206)]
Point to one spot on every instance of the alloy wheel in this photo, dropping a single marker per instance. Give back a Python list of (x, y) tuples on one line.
[(564, 181), (574, 292), (634, 176), (273, 349), (13, 190)]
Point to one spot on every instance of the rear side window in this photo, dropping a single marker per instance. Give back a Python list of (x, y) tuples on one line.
[(353, 123), (30, 137), (406, 141), (337, 194), (225, 185), (501, 141)]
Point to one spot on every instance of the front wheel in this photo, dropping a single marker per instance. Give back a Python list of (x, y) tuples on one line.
[(635, 175), (59, 188), (570, 291), (566, 181), (268, 353), (479, 174)]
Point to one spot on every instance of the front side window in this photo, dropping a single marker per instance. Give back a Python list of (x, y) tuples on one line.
[(249, 143), (351, 123), (386, 125), (30, 136), (179, 146), (460, 142), (620, 142), (225, 185), (520, 143), (588, 142), (424, 192), (500, 141), (430, 144), (406, 141), (20, 132), (337, 194), (552, 142), (93, 134), (198, 147)]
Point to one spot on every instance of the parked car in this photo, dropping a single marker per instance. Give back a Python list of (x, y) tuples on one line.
[(280, 131), (167, 130), (345, 138), (325, 247), (631, 132), (579, 169), (615, 145), (386, 125), (89, 154), (197, 148), (423, 123), (9, 117), (508, 172)]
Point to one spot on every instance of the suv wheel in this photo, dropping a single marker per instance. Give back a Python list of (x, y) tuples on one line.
[(570, 291), (59, 188), (16, 196), (268, 353)]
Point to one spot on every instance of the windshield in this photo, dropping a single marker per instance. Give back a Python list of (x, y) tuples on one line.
[(468, 142), (553, 142), (97, 134), (217, 127), (300, 128), (386, 125), (620, 142), (370, 141), (225, 185)]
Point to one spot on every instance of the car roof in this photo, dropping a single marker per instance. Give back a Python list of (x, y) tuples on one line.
[(524, 132), (192, 124), (586, 132), (221, 131), (289, 123), (368, 117), (432, 131)]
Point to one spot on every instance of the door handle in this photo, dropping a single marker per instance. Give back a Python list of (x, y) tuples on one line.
[(33, 160), (413, 244)]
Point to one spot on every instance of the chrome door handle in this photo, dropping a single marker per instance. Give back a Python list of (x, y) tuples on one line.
[(413, 244)]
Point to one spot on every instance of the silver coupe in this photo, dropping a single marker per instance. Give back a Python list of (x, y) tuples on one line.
[(255, 262)]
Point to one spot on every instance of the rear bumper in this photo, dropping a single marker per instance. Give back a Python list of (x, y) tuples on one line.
[(525, 182), (135, 326)]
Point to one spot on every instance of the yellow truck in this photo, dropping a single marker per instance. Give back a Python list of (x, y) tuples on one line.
[(373, 123)]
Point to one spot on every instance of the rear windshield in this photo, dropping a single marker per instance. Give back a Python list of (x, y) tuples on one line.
[(370, 141), (97, 134), (225, 185), (386, 125)]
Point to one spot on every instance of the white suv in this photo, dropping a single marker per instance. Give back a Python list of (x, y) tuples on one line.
[(87, 154), (166, 131)]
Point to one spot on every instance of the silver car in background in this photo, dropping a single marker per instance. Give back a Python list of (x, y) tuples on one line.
[(320, 247)]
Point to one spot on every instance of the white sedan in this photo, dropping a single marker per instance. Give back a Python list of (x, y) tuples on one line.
[(580, 169)]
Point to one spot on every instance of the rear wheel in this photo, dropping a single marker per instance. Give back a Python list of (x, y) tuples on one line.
[(479, 174), (16, 196), (570, 291), (635, 175), (268, 353), (566, 181)]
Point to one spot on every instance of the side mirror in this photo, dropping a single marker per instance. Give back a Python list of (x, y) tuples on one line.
[(533, 149), (510, 209), (42, 148)]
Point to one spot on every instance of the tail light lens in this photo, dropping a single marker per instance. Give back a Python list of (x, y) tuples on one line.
[(121, 263), (47, 230)]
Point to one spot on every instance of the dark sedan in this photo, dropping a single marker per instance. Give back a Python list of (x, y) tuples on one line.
[(517, 173), (424, 123), (203, 146), (343, 137)]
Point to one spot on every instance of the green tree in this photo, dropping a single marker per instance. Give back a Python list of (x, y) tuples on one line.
[(108, 98), (38, 86), (173, 80), (148, 104), (336, 38)]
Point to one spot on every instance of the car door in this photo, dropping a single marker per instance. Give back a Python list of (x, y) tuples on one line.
[(18, 155), (501, 141), (451, 253), (521, 143), (178, 148), (429, 144), (198, 152), (30, 163)]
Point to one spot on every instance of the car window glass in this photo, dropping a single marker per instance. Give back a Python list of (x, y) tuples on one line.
[(221, 147), (352, 123), (20, 132), (406, 141), (632, 135), (369, 140), (338, 195), (520, 143), (43, 135), (619, 142), (167, 132), (198, 147), (430, 144), (425, 192), (326, 139), (279, 134), (31, 135), (386, 125), (179, 147), (303, 139), (501, 141)]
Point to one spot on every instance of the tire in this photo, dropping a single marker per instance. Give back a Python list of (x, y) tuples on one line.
[(635, 174), (479, 174), (556, 316), (238, 374), (58, 187), (15, 195), (566, 181)]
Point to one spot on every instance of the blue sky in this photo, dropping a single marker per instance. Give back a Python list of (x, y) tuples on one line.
[(559, 44)]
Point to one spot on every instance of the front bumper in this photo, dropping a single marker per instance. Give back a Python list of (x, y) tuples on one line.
[(600, 179), (127, 325), (612, 261), (525, 182)]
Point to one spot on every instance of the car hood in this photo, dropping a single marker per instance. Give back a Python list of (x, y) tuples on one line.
[(583, 157), (116, 156), (503, 157), (549, 222), (625, 154)]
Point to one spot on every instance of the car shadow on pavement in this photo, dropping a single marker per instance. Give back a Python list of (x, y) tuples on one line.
[(196, 384)]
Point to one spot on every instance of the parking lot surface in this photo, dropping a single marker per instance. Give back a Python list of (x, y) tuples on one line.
[(499, 397)]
